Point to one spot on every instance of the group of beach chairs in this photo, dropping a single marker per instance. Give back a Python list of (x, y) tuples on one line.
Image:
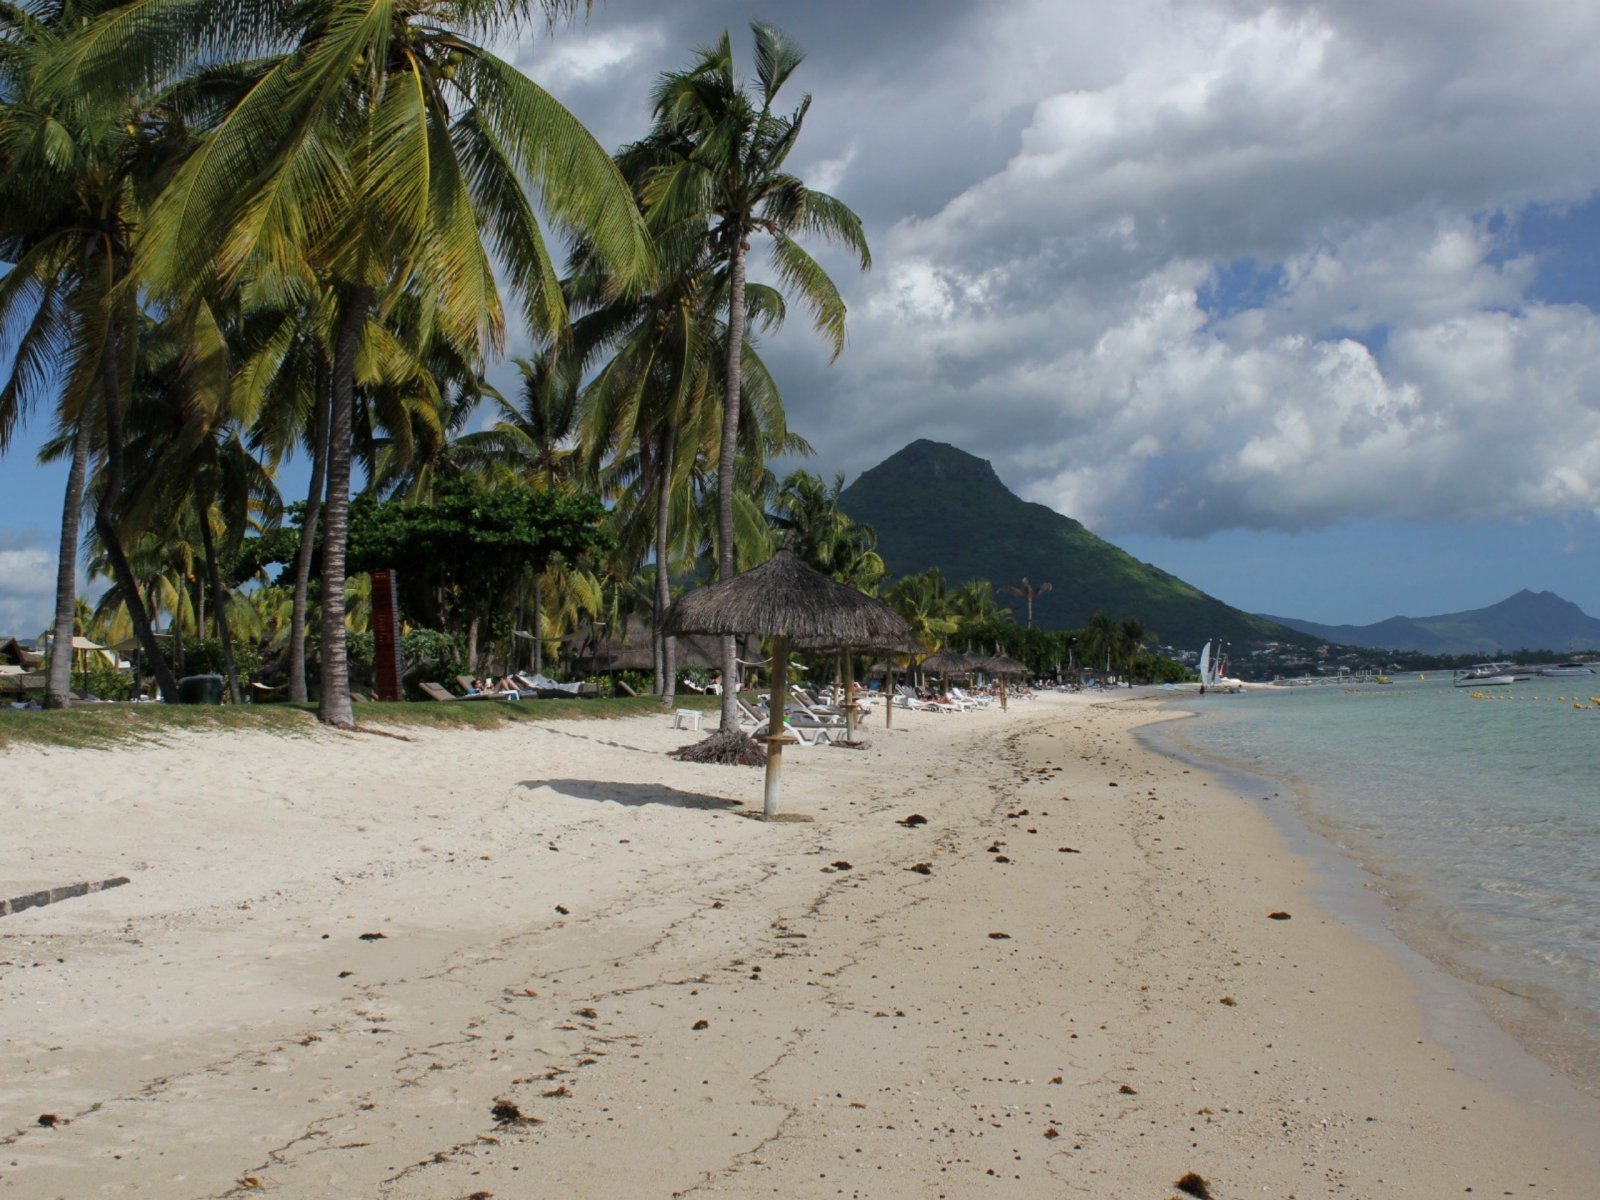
[(516, 686), (952, 699), (814, 718)]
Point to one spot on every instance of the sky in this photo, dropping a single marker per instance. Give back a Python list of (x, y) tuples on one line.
[(1299, 301)]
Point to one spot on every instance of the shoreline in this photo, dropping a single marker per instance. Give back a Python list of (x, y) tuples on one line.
[(1495, 1028), (594, 975)]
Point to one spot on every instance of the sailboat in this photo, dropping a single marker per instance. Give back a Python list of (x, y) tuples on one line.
[(1214, 672)]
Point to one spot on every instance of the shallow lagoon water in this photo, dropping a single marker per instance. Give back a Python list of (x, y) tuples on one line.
[(1479, 817)]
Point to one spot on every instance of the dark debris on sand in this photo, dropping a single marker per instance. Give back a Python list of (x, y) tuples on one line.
[(507, 1112), (1193, 1185), (726, 748)]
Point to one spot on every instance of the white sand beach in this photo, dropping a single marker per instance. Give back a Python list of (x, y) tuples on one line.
[(549, 960)]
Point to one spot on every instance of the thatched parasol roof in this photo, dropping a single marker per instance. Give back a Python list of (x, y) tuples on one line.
[(785, 598), (947, 663), (1004, 664)]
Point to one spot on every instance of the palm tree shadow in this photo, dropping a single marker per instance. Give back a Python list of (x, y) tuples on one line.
[(631, 794)]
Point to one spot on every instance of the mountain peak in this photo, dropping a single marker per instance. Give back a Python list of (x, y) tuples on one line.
[(932, 461), (935, 505)]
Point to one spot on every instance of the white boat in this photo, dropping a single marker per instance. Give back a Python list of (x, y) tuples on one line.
[(1486, 675), (1213, 672), (1568, 668)]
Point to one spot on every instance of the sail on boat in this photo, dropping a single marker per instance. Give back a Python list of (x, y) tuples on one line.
[(1214, 671)]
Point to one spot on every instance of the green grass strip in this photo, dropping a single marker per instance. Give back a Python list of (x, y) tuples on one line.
[(106, 726)]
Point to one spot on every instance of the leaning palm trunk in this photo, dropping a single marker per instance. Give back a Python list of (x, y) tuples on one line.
[(121, 571), (727, 566), (218, 601), (667, 681), (333, 706), (58, 685), (538, 626), (308, 542)]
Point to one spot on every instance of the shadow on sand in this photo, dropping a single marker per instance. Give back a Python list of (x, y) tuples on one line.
[(631, 793)]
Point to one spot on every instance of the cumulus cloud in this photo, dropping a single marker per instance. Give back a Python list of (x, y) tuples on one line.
[(1180, 267), (27, 590)]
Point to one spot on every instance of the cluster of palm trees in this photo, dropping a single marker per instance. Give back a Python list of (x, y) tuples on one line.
[(969, 616), (240, 230)]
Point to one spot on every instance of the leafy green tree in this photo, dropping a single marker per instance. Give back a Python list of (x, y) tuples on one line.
[(461, 555), (384, 151), (721, 162)]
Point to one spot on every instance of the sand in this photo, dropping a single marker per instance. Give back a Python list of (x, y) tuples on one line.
[(550, 961)]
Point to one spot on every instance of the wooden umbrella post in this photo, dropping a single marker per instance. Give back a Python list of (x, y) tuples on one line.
[(849, 696), (777, 739)]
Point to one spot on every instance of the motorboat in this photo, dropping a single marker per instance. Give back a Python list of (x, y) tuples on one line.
[(1486, 675), (1561, 670)]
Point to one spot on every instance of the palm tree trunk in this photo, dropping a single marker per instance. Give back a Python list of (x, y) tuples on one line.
[(58, 686), (726, 563), (308, 543), (665, 461), (333, 706), (121, 571), (214, 576), (538, 621)]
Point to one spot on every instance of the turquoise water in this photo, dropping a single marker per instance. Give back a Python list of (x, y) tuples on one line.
[(1480, 819)]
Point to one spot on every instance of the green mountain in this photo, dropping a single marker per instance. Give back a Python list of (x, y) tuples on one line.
[(1525, 621), (936, 506)]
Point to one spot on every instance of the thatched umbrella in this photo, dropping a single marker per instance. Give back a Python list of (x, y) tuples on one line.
[(790, 602), (945, 664), (1003, 666)]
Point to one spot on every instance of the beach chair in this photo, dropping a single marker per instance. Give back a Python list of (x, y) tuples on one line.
[(750, 720), (437, 691), (906, 697), (814, 713)]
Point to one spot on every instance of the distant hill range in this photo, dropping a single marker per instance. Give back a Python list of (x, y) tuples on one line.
[(1526, 621), (933, 505)]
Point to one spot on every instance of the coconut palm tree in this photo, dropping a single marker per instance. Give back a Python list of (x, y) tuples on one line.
[(922, 601), (719, 172), (186, 434), (1132, 637), (825, 536), (974, 605), (75, 169), (382, 151), (1100, 641), (1030, 592)]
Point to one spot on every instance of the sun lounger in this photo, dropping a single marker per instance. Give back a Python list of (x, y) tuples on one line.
[(545, 688), (437, 691)]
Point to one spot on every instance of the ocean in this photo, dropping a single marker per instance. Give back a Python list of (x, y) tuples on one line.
[(1478, 818)]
